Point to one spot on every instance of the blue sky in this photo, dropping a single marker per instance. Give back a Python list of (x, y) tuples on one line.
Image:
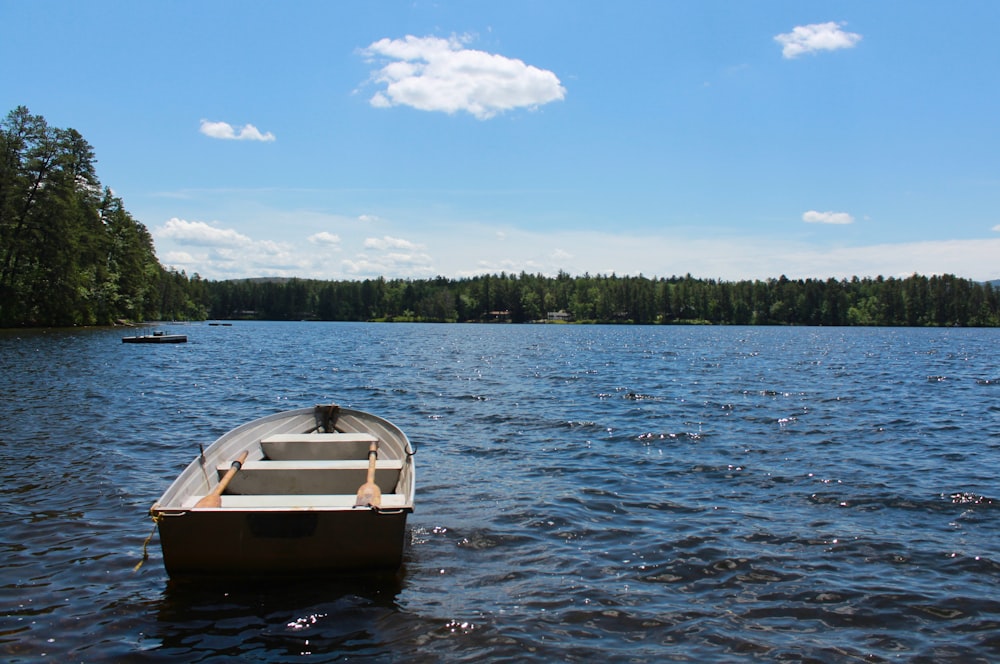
[(347, 140)]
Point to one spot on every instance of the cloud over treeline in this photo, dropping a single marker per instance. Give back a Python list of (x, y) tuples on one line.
[(436, 74)]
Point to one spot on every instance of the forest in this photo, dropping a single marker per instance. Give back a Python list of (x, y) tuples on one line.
[(944, 300), (71, 254)]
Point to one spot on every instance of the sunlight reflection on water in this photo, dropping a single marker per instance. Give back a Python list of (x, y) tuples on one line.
[(620, 492)]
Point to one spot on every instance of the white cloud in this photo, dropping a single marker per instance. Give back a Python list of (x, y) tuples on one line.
[(435, 74), (416, 260), (389, 243), (225, 131), (973, 259), (179, 258), (325, 238), (474, 250), (202, 234), (392, 264), (996, 228), (222, 253), (814, 217), (814, 38), (463, 250)]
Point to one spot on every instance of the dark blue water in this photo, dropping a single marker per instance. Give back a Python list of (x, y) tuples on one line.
[(615, 493)]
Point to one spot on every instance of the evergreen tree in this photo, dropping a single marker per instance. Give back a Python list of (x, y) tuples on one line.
[(70, 254)]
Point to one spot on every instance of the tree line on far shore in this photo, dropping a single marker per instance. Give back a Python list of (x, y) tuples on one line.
[(944, 300), (71, 254)]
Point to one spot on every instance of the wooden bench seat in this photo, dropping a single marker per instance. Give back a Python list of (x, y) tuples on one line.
[(299, 501), (291, 446), (306, 477)]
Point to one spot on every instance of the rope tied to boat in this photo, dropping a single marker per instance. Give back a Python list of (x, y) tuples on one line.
[(145, 545)]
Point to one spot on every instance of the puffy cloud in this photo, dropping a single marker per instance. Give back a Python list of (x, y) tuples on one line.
[(201, 234), (816, 37), (468, 250), (179, 258), (435, 74), (391, 256), (226, 131), (389, 243), (393, 263), (325, 238), (220, 253), (814, 217)]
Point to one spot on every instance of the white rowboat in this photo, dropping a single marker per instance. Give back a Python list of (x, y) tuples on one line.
[(303, 492)]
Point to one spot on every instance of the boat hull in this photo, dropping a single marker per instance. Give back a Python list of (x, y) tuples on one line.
[(281, 543), (271, 522), (156, 339)]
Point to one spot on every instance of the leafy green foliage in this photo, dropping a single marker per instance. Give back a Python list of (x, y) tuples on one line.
[(914, 301), (70, 254)]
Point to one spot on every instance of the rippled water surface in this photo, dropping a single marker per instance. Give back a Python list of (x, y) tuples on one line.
[(637, 494)]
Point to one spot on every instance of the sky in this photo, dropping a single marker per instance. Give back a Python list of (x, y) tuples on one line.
[(349, 140)]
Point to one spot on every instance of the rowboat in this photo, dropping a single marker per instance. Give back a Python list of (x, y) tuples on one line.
[(302, 492), (156, 338)]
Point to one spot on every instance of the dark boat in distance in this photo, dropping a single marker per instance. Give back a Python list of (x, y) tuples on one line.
[(303, 492), (156, 338)]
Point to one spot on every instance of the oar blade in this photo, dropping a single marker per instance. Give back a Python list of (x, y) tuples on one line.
[(211, 500), (369, 495)]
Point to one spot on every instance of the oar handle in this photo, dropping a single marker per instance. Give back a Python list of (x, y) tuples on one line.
[(372, 459), (233, 468)]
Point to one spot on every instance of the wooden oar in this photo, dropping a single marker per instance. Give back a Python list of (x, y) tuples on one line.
[(214, 499), (369, 495)]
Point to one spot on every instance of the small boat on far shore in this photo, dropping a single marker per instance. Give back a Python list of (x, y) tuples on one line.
[(156, 338)]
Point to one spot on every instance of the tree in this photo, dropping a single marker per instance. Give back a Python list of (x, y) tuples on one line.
[(69, 252)]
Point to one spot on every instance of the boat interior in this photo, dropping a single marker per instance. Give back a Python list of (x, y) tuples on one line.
[(310, 471)]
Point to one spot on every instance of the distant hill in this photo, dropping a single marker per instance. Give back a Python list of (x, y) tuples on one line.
[(262, 280)]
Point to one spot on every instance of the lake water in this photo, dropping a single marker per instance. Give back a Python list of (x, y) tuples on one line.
[(639, 494)]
